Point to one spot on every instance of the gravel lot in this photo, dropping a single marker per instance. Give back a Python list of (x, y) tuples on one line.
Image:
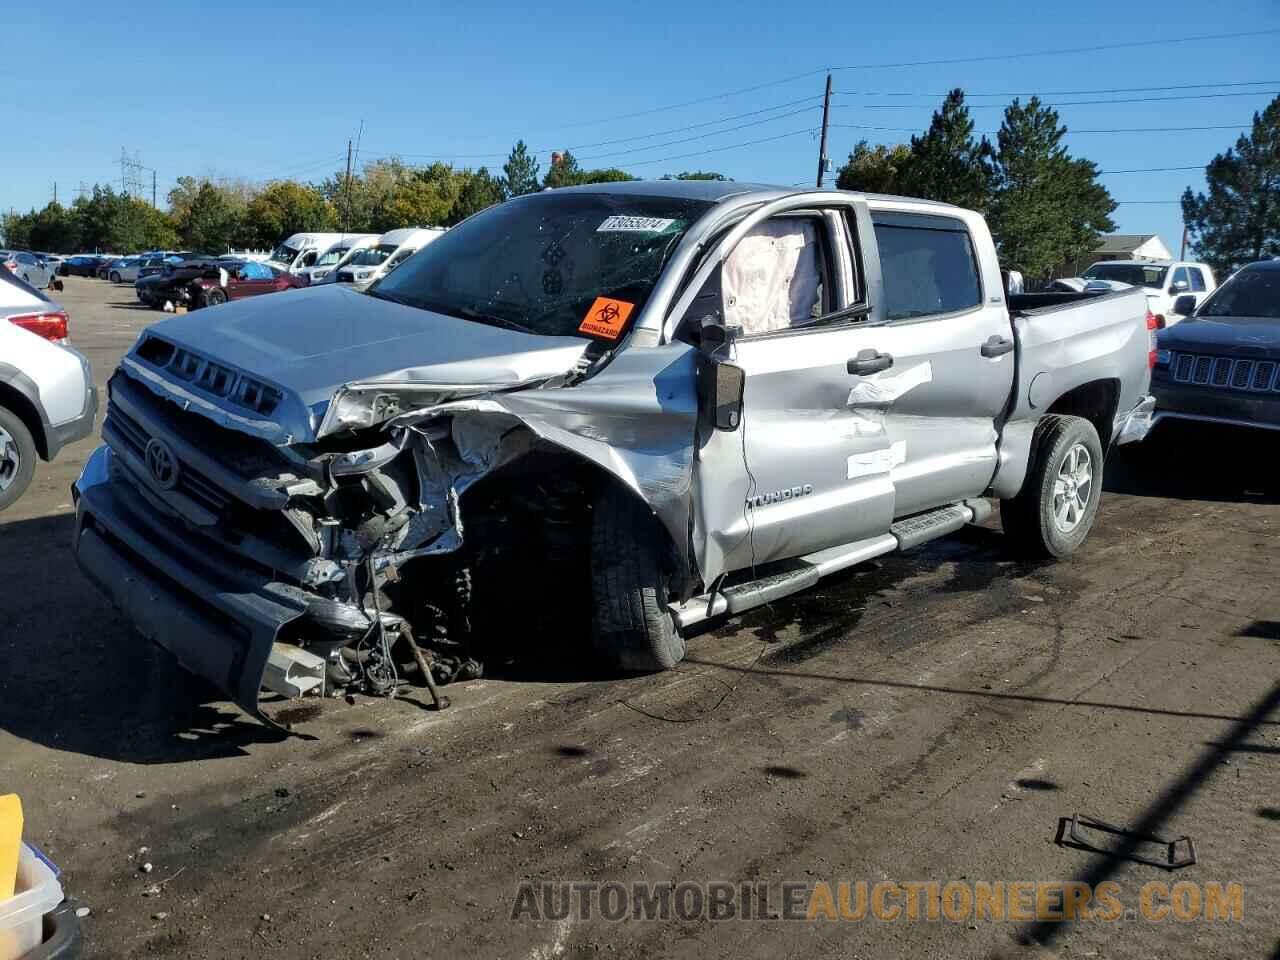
[(930, 716)]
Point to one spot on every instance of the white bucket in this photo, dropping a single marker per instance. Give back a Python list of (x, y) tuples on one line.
[(21, 916)]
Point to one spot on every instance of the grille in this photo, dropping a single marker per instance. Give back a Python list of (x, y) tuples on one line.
[(1254, 376), (211, 377), (194, 485)]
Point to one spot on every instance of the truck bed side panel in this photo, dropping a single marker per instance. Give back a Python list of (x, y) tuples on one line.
[(1065, 346)]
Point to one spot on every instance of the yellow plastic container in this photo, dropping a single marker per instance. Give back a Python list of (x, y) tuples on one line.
[(10, 842)]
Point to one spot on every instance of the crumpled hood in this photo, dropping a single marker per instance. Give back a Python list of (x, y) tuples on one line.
[(1247, 336), (313, 341)]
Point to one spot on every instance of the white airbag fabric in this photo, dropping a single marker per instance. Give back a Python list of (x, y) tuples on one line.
[(770, 280)]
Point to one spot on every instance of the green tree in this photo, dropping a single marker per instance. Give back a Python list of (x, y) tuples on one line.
[(1239, 220), (873, 169), (424, 197), (55, 228), (213, 221), (696, 175), (946, 163), (281, 208), (480, 190), (139, 226), (97, 215), (16, 229), (564, 171), (1048, 207), (520, 172)]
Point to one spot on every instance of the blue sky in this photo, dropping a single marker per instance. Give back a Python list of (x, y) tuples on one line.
[(271, 90)]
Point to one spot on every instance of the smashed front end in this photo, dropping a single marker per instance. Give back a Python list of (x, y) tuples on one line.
[(410, 519)]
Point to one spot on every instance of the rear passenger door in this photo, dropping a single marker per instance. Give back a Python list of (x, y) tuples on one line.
[(944, 321)]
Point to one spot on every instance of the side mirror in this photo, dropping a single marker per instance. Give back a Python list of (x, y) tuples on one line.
[(721, 387), (1185, 305), (1179, 286)]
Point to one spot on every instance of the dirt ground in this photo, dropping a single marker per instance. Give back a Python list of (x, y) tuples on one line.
[(927, 717)]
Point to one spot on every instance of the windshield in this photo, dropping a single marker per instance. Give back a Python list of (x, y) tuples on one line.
[(1250, 293), (284, 254), (1134, 274), (332, 256), (543, 262), (371, 256)]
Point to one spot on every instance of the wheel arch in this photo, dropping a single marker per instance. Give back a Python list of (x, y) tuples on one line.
[(15, 399)]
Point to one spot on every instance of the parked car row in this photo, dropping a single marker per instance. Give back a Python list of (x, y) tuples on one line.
[(32, 268), (210, 281)]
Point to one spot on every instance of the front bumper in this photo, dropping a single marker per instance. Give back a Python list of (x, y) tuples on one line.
[(1241, 408), (216, 614), (1133, 425)]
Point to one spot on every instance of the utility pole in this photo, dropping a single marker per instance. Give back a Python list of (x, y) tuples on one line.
[(822, 149), (347, 220), (153, 188), (1182, 254), (55, 191)]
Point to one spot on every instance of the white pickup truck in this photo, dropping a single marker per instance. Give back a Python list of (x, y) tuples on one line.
[(618, 409), (1163, 281)]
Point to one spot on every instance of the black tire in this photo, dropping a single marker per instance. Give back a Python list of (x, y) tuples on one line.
[(115, 276), (214, 297), (632, 629), (1044, 521), (15, 477)]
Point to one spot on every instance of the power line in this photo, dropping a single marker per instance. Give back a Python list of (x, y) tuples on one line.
[(1108, 173), (732, 146), (992, 133), (1066, 51), (1069, 93), (700, 136), (1078, 103)]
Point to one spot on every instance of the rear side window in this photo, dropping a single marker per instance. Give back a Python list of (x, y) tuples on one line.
[(1197, 279), (1180, 276), (928, 265)]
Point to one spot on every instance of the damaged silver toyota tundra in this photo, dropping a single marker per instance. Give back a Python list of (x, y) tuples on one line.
[(611, 411)]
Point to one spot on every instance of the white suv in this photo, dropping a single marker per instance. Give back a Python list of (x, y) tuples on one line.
[(1165, 281), (47, 397)]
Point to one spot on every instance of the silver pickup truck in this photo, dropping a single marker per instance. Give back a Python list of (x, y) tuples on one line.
[(619, 409)]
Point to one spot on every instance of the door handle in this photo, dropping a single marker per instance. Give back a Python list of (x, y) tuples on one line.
[(869, 361), (996, 346)]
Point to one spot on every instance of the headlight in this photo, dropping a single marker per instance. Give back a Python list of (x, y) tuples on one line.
[(356, 409), (363, 274), (1162, 358)]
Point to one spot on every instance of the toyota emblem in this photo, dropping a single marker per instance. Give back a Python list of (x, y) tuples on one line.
[(162, 464)]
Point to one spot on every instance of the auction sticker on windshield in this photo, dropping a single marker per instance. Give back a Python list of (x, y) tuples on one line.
[(619, 224), (607, 318)]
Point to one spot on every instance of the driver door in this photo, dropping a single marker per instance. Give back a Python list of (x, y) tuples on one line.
[(803, 471)]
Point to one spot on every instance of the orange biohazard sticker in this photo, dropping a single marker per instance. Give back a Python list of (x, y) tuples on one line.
[(607, 318)]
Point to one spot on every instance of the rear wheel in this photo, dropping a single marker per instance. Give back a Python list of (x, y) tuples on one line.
[(1058, 503), (633, 629), (115, 276), (17, 457), (214, 297)]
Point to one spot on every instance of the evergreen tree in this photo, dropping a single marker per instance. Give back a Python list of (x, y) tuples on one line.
[(520, 172), (480, 190), (946, 163), (1047, 208), (1239, 220)]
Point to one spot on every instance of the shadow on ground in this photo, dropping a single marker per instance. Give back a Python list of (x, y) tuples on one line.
[(77, 678), (1199, 462)]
